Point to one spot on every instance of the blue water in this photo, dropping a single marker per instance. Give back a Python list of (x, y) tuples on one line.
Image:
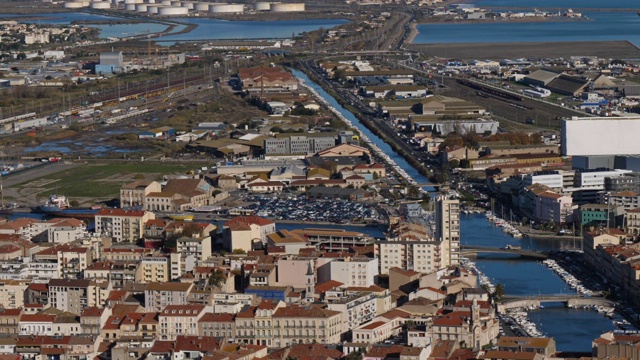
[(573, 329), (208, 29), (381, 144), (605, 26), (574, 4), (119, 30), (222, 29)]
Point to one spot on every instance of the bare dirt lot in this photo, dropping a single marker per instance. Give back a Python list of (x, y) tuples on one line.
[(534, 50)]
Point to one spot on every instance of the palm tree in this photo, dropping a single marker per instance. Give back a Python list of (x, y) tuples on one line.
[(498, 292)]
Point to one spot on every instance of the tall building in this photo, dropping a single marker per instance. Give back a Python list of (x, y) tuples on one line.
[(448, 229)]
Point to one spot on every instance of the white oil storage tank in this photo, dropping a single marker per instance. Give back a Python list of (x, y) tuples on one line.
[(130, 7), (289, 7), (73, 5), (203, 6), (142, 8), (100, 5), (262, 6), (188, 4), (173, 11), (153, 9), (150, 1), (226, 8), (132, 2)]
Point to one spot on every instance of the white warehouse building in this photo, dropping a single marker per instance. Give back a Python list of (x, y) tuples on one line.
[(600, 136)]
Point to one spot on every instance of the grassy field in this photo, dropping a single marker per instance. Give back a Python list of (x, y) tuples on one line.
[(103, 181)]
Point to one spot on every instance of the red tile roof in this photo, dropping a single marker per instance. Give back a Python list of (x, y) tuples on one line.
[(243, 222), (182, 310), (326, 286), (211, 317)]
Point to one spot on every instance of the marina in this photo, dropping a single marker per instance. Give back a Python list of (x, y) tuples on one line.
[(506, 226)]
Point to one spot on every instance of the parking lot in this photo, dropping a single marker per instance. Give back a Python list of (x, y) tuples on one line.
[(303, 209)]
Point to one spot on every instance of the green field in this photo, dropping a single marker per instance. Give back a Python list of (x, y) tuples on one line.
[(103, 181)]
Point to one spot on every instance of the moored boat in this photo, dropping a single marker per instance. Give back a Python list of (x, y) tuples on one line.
[(180, 217)]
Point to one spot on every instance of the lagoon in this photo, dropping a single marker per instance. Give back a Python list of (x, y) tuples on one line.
[(604, 26), (207, 29), (215, 29)]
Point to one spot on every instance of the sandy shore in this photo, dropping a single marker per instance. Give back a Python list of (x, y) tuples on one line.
[(531, 50)]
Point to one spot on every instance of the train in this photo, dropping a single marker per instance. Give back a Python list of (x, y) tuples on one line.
[(490, 90), (17, 118)]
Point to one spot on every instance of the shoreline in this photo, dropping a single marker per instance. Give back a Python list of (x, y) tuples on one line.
[(622, 49), (524, 20)]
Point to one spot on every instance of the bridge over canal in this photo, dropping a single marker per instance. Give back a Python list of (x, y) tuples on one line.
[(472, 250), (571, 300)]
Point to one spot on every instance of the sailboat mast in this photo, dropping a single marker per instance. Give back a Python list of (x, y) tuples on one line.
[(1, 192)]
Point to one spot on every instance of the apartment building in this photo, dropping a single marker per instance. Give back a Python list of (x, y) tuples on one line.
[(133, 194), (9, 320), (73, 295), (306, 325), (200, 248), (73, 261), (356, 308), (243, 231), (351, 271), (448, 230), (93, 318), (553, 207), (12, 293), (422, 255), (153, 269), (288, 144), (218, 325), (176, 320), (122, 225), (159, 295)]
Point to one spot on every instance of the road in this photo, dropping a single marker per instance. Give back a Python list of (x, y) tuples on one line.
[(367, 112)]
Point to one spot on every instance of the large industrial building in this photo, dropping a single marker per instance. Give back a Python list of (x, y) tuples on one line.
[(600, 136)]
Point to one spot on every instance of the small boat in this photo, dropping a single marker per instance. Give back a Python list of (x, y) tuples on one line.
[(180, 217)]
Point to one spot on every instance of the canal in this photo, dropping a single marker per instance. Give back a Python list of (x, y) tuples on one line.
[(572, 329), (415, 175)]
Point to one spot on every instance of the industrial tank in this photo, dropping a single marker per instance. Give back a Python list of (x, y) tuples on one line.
[(142, 8), (290, 7), (153, 9), (262, 6), (226, 8), (203, 6), (100, 5), (173, 11), (73, 5), (130, 7)]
